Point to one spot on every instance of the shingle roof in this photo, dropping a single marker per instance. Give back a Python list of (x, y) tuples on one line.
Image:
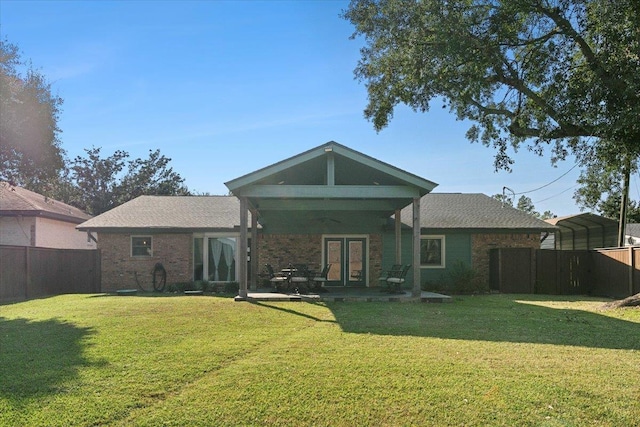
[(170, 212), (20, 201), (471, 211), (438, 211)]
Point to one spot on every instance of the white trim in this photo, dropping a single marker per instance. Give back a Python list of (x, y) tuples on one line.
[(443, 251)]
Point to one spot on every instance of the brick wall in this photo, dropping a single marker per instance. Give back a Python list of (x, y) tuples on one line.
[(119, 268), (281, 249), (481, 244), (175, 252), (375, 259)]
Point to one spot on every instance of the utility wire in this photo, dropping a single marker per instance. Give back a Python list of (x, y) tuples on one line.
[(555, 195), (548, 184)]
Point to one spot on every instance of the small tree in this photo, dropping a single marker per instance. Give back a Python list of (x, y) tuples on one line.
[(102, 183)]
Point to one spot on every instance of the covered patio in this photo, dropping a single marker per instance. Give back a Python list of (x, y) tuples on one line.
[(328, 205)]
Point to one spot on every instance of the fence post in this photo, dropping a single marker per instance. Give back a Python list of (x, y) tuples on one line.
[(632, 268), (532, 270), (27, 275)]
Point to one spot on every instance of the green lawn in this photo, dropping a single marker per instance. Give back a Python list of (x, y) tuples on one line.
[(203, 361)]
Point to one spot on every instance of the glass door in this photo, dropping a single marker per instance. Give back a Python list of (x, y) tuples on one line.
[(347, 256)]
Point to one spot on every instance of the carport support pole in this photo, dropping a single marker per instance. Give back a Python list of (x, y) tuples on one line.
[(242, 256), (416, 247)]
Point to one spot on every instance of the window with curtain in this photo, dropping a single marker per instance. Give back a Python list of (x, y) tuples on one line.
[(432, 251), (214, 258), (141, 246)]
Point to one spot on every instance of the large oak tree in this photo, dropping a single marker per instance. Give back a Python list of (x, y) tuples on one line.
[(556, 76)]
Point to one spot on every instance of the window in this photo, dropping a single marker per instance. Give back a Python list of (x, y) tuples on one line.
[(141, 246), (432, 251), (214, 258)]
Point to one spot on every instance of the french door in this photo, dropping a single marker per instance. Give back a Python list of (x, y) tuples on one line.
[(348, 259)]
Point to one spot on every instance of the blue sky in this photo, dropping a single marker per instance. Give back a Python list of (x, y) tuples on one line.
[(225, 88)]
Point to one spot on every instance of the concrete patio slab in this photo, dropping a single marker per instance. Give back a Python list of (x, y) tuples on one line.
[(346, 294)]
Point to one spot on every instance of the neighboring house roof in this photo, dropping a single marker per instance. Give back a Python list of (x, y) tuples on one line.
[(170, 213), (471, 211), (18, 201)]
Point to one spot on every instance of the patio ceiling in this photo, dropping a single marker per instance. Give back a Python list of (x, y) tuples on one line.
[(330, 182)]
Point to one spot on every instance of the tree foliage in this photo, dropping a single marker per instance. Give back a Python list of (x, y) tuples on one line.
[(558, 74), (524, 204), (30, 151), (104, 183)]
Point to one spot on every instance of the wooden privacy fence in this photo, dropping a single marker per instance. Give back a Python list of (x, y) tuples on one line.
[(28, 272), (604, 272)]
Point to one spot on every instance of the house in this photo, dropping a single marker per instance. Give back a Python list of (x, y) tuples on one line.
[(328, 205), (583, 231), (632, 234), (31, 219)]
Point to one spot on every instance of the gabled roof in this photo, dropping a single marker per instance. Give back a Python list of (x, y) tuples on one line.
[(178, 213), (473, 211), (18, 201), (352, 168), (328, 181)]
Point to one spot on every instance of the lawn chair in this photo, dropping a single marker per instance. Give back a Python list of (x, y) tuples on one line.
[(394, 282), (300, 278), (320, 280), (392, 272), (276, 279)]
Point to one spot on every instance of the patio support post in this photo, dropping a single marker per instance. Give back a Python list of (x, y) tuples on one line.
[(242, 256), (416, 247), (254, 250), (398, 217)]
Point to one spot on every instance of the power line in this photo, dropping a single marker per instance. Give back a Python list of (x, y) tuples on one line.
[(548, 184), (555, 195)]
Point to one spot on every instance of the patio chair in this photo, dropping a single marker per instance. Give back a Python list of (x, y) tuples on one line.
[(395, 282), (392, 272), (300, 277), (320, 280), (276, 279)]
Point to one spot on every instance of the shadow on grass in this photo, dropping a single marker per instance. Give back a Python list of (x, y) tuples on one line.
[(37, 358), (291, 311), (489, 319)]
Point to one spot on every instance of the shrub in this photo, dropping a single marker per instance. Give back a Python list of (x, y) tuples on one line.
[(180, 287), (459, 278), (201, 285), (231, 288)]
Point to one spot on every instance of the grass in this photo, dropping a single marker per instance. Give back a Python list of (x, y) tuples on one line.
[(480, 361)]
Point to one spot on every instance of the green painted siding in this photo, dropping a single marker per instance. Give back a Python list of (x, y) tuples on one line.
[(457, 249)]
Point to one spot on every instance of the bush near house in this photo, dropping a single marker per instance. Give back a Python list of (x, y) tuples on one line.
[(458, 279)]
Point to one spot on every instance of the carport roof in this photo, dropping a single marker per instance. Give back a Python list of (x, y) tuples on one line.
[(583, 220)]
